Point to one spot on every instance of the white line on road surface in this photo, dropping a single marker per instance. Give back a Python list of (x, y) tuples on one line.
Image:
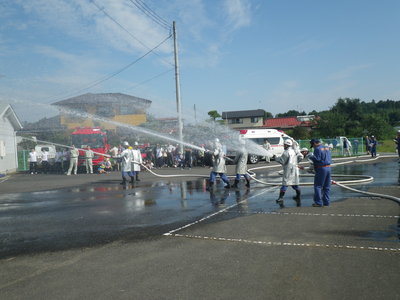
[(292, 244), (218, 212), (311, 214)]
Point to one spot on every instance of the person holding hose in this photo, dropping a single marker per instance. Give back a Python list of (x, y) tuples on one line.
[(219, 167), (289, 160), (241, 165), (322, 160)]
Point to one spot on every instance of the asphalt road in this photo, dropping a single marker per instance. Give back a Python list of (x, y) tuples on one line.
[(244, 248)]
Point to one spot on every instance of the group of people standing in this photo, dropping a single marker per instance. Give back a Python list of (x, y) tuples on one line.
[(131, 160), (370, 144), (320, 164)]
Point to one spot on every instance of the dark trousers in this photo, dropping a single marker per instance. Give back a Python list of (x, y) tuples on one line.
[(322, 185)]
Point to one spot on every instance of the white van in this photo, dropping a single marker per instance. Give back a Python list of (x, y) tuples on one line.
[(275, 137)]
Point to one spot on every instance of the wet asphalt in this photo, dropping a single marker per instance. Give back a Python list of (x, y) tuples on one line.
[(70, 237)]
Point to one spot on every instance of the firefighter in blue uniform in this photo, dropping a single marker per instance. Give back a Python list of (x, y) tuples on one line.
[(322, 180)]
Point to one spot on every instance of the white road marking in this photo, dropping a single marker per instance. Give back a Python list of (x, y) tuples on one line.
[(217, 213), (312, 214), (290, 244)]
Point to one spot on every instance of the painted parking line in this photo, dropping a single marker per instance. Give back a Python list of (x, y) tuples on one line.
[(289, 244), (311, 214)]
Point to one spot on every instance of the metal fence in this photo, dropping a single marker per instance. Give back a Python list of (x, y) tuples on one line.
[(357, 146)]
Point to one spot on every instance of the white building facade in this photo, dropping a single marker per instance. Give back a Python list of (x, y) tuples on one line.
[(9, 125)]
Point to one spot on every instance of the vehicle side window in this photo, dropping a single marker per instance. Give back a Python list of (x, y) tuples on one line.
[(274, 140)]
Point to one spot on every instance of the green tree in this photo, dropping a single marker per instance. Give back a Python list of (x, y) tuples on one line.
[(300, 133), (214, 115), (377, 125), (291, 113)]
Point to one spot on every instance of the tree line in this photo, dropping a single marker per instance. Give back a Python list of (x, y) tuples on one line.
[(347, 117)]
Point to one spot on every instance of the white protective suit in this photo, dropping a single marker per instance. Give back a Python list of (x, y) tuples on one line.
[(219, 159), (137, 160), (289, 161), (126, 162), (241, 161)]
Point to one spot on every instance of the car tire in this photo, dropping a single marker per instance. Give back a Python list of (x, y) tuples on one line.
[(253, 159)]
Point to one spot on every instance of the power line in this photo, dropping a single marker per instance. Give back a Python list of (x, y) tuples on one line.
[(109, 76), (127, 31), (154, 13), (151, 14), (147, 80)]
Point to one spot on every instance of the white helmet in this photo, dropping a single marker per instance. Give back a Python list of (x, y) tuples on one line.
[(136, 144), (288, 142), (304, 149), (126, 143), (216, 140)]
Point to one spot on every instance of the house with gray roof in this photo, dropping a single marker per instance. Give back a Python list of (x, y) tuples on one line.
[(244, 118), (9, 125)]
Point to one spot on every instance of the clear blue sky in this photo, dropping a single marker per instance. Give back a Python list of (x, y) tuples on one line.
[(234, 54)]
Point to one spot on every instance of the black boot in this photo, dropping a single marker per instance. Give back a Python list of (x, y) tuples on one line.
[(210, 186), (227, 186), (297, 197), (247, 183), (235, 185), (123, 181), (132, 180), (280, 199), (137, 177)]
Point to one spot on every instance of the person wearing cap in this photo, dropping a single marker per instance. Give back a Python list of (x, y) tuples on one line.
[(289, 160), (219, 167), (306, 155), (322, 180), (397, 141), (241, 165), (126, 165), (136, 161), (372, 146)]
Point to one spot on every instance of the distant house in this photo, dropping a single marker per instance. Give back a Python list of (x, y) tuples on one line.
[(244, 118), (289, 122), (9, 125), (116, 107)]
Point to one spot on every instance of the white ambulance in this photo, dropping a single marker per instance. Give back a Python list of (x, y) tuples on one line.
[(275, 137)]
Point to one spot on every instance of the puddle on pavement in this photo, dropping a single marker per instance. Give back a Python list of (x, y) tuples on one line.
[(110, 206)]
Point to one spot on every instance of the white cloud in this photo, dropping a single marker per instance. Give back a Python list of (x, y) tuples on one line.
[(238, 13), (84, 20)]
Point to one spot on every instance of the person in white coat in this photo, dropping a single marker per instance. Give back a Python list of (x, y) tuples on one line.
[(241, 165), (267, 147), (219, 167), (126, 165), (73, 160), (137, 160), (289, 160)]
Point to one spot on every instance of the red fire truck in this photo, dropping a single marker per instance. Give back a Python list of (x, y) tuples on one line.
[(93, 137)]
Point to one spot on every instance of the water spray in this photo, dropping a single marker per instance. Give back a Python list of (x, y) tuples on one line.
[(61, 145)]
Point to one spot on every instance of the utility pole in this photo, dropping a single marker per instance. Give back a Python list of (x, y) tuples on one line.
[(177, 85)]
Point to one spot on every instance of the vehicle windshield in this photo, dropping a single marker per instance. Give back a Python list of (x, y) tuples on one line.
[(92, 140), (271, 140)]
